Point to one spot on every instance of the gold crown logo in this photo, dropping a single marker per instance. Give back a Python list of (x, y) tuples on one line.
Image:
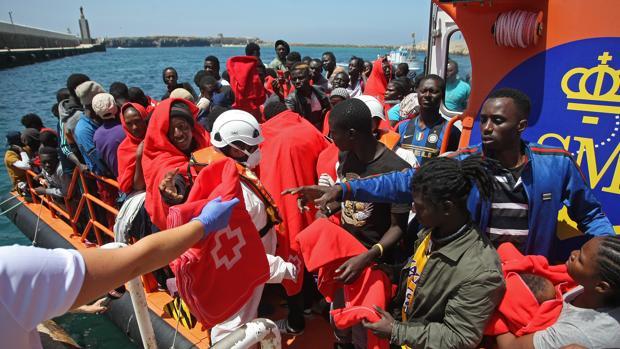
[(599, 73)]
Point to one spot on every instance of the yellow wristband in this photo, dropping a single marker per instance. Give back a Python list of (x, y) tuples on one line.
[(380, 249)]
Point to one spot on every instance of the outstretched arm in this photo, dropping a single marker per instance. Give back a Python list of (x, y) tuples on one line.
[(108, 269), (393, 187)]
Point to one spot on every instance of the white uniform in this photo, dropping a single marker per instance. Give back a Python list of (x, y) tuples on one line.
[(36, 284), (278, 268)]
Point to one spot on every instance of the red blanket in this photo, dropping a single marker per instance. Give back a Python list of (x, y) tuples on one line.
[(325, 246), (326, 123), (152, 104), (245, 84), (287, 87), (288, 159), (126, 152), (161, 156), (519, 311), (217, 276), (377, 83), (327, 161)]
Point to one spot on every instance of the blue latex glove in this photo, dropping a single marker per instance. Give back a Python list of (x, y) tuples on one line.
[(215, 214)]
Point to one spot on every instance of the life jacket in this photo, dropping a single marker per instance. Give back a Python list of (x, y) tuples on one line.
[(206, 156), (388, 138)]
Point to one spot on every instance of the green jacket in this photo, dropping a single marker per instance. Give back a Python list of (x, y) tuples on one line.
[(458, 290)]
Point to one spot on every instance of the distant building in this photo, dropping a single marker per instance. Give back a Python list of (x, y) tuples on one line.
[(84, 29)]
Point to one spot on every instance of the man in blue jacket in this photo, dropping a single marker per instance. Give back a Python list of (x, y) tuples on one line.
[(533, 183)]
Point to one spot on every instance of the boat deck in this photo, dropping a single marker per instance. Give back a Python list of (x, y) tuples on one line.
[(317, 334)]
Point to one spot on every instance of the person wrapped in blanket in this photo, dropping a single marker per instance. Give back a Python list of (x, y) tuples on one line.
[(237, 135), (586, 316), (173, 134)]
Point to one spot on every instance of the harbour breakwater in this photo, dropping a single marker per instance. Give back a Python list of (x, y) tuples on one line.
[(178, 41), (21, 45), (17, 57)]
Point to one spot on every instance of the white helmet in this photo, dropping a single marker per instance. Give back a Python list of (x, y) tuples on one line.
[(235, 125), (376, 109)]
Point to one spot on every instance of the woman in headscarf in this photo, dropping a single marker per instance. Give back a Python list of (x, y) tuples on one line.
[(379, 77), (170, 140), (129, 153)]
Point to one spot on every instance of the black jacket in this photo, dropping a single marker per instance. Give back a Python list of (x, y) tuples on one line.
[(301, 106)]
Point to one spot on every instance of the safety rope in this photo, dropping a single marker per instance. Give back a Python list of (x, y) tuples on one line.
[(11, 208), (517, 28), (176, 330), (36, 228), (12, 197)]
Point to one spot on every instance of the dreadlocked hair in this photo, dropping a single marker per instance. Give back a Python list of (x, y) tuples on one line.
[(443, 178), (609, 262)]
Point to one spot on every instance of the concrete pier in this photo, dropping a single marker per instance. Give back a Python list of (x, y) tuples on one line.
[(21, 45), (16, 57)]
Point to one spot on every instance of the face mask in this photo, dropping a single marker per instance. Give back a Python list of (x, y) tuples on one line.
[(253, 158)]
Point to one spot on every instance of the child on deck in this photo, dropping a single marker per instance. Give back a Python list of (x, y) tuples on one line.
[(17, 161), (54, 182), (541, 288), (590, 315), (52, 179), (533, 298)]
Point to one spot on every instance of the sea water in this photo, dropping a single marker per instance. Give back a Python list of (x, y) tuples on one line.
[(32, 89)]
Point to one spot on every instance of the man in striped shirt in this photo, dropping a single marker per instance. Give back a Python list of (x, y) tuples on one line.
[(536, 181), (509, 209)]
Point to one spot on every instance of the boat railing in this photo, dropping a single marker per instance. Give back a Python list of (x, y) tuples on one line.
[(74, 213), (447, 134), (263, 331)]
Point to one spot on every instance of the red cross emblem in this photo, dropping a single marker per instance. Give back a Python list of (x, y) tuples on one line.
[(227, 250)]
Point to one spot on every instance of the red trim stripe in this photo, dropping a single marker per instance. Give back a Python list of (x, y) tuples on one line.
[(462, 151), (562, 152), (348, 193), (550, 150)]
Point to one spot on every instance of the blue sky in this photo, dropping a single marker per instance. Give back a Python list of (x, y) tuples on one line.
[(319, 21)]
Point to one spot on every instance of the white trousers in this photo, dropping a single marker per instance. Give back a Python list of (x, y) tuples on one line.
[(278, 271)]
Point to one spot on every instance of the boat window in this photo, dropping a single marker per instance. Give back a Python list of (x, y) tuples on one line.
[(457, 73)]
